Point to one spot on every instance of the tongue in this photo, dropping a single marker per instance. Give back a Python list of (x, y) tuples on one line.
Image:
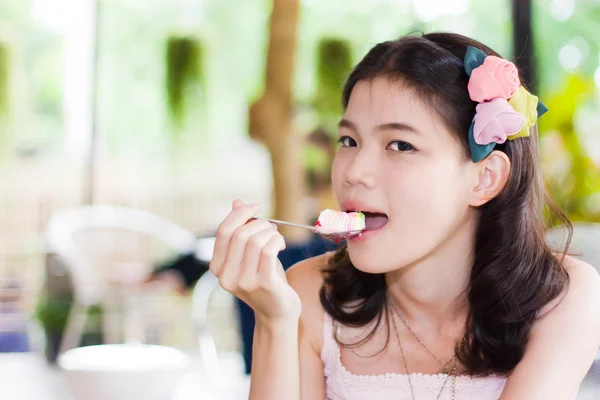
[(375, 221)]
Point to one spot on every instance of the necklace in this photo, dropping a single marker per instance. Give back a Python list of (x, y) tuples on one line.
[(444, 365), (452, 371)]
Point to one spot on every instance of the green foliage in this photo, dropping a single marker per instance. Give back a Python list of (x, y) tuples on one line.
[(5, 65), (183, 71), (580, 30), (53, 312), (315, 159), (143, 60), (571, 175), (576, 184), (334, 63)]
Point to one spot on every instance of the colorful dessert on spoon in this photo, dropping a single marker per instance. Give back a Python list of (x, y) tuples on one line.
[(340, 225)]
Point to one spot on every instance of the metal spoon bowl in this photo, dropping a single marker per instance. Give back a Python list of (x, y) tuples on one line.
[(336, 236)]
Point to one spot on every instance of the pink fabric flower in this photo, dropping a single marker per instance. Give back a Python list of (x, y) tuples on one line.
[(495, 121), (495, 78)]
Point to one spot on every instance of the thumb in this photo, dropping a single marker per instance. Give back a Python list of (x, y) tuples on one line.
[(237, 203)]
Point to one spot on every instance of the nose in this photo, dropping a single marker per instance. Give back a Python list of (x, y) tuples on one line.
[(362, 169)]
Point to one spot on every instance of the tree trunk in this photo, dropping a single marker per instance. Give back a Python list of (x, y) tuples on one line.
[(271, 115)]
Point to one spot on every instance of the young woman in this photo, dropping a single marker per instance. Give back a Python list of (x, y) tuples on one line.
[(451, 292)]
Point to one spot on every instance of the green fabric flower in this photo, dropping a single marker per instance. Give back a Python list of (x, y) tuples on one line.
[(524, 103)]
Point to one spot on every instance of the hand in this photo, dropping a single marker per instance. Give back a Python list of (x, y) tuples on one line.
[(245, 261)]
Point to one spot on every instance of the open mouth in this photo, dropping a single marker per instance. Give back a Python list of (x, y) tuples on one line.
[(373, 220)]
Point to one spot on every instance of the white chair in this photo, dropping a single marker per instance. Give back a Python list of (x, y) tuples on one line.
[(225, 371), (104, 248), (203, 290)]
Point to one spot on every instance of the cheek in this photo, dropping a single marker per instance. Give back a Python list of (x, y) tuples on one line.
[(430, 197), (337, 173), (427, 202)]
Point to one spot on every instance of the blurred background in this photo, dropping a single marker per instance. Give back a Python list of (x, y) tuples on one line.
[(127, 127)]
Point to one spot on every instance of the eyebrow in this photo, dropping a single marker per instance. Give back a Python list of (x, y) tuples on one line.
[(394, 126)]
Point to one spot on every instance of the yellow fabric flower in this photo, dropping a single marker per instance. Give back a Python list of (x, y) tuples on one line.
[(525, 103)]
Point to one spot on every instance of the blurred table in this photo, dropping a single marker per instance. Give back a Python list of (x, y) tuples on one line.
[(27, 376)]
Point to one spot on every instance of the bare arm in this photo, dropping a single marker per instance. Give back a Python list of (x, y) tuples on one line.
[(306, 280), (563, 344), (286, 363), (275, 365), (245, 261), (287, 356)]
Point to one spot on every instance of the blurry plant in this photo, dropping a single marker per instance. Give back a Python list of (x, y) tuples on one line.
[(573, 179), (185, 74), (52, 312), (318, 155), (334, 62), (5, 61), (552, 37)]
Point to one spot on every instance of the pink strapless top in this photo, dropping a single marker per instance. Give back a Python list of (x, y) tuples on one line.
[(340, 384)]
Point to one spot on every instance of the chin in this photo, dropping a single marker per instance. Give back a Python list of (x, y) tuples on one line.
[(372, 261), (381, 258)]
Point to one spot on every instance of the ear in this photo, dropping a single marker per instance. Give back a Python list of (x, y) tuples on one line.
[(490, 176)]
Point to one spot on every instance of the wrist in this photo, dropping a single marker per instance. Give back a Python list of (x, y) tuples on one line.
[(275, 326)]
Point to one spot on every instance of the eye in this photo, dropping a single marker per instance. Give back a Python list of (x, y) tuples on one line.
[(347, 141), (400, 146)]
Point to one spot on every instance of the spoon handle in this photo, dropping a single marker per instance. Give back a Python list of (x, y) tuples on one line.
[(278, 222)]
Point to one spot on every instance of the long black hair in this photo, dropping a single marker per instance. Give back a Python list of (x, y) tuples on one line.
[(514, 273)]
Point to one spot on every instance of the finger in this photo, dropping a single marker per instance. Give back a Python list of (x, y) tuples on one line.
[(237, 203), (239, 240), (269, 263), (232, 266), (235, 219), (251, 258)]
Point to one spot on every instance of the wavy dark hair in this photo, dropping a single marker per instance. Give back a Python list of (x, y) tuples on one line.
[(514, 273)]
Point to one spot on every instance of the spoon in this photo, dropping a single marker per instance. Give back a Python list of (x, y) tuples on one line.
[(336, 236)]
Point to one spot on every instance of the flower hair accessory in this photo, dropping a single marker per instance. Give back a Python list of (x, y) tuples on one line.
[(506, 110)]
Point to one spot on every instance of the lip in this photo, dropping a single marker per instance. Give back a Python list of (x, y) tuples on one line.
[(356, 205), (364, 235)]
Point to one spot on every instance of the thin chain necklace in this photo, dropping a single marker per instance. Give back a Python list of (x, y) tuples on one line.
[(452, 372), (444, 365)]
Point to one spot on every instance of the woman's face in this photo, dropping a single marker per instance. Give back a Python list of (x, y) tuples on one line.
[(401, 165)]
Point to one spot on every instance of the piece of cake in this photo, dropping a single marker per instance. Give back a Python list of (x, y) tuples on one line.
[(331, 221)]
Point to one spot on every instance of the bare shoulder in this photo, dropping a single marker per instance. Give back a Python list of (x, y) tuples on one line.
[(305, 276), (582, 274), (563, 341), (583, 288), (577, 266), (578, 305), (306, 279)]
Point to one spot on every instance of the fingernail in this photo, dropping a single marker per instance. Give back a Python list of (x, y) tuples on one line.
[(274, 225), (255, 206), (237, 200)]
